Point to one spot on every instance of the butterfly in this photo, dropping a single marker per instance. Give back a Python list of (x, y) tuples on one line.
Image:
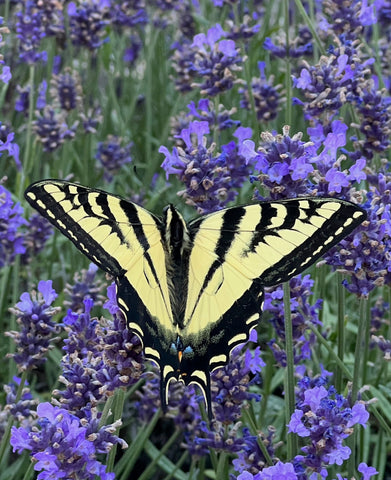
[(193, 291)]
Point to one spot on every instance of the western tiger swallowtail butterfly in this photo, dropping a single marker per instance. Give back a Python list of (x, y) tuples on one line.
[(193, 291)]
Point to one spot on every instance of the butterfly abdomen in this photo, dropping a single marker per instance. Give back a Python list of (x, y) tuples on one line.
[(178, 246)]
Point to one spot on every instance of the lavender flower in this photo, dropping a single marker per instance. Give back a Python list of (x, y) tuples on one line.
[(133, 51), (41, 96), (327, 84), (122, 350), (66, 89), (87, 24), (251, 457), (243, 30), (290, 167), (379, 318), (82, 359), (99, 357), (11, 239), (187, 22), (379, 313), (22, 409), (325, 419), (280, 470), (374, 109), (364, 255), (209, 178), (205, 111), (330, 179), (8, 145), (128, 13), (300, 46), (22, 102), (52, 18), (366, 471), (85, 286), (344, 19), (52, 130), (5, 75), (211, 59), (63, 446), (30, 32), (112, 156), (38, 231), (266, 97), (35, 337), (284, 163), (91, 119)]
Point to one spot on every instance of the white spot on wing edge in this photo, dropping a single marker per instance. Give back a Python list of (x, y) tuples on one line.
[(31, 195), (151, 352), (136, 328), (253, 318), (218, 358), (240, 337)]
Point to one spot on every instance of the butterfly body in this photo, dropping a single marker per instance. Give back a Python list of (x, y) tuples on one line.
[(193, 291)]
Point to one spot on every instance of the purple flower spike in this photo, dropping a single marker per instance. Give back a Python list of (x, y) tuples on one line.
[(324, 419), (87, 24), (63, 447), (35, 337), (211, 179), (112, 156), (11, 240), (209, 63)]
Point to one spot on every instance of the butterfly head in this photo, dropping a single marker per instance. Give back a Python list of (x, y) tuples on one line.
[(181, 352)]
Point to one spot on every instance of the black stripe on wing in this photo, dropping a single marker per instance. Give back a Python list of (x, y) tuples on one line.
[(341, 222), (231, 220)]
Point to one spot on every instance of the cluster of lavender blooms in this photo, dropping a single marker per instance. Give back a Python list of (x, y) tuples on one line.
[(211, 179), (379, 314), (324, 419), (17, 235), (34, 316), (61, 445), (112, 156), (67, 436), (210, 57)]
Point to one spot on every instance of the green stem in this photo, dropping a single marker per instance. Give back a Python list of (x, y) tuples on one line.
[(288, 79), (311, 26), (128, 461), (27, 156), (359, 350), (118, 408), (290, 373), (340, 332), (254, 430), (158, 455)]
